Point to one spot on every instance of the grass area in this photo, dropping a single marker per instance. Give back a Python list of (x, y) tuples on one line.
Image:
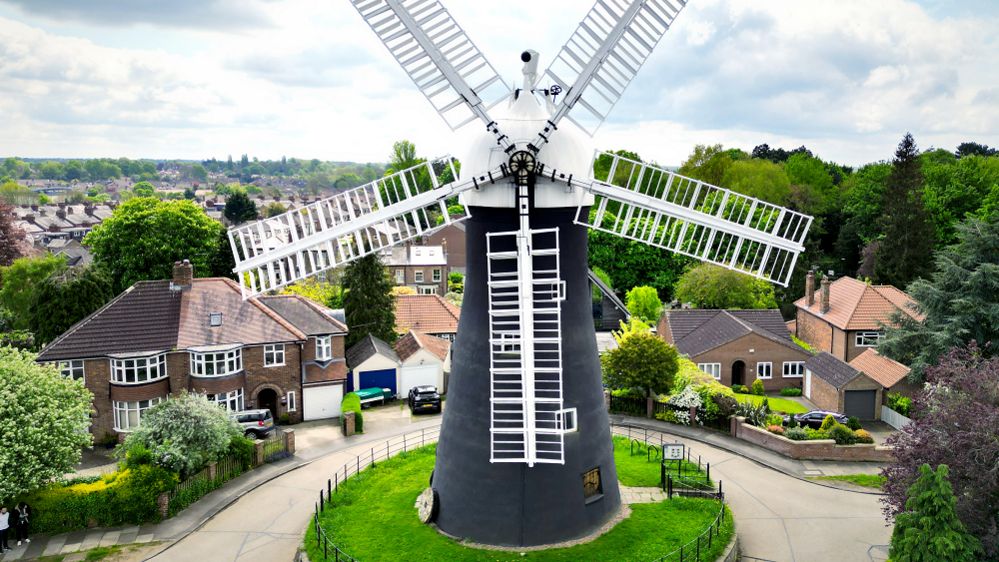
[(777, 404), (637, 470), (865, 480), (373, 518)]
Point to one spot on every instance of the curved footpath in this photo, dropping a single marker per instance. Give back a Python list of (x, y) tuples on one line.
[(261, 516)]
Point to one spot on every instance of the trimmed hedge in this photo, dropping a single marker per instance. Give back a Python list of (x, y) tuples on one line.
[(790, 391), (352, 403)]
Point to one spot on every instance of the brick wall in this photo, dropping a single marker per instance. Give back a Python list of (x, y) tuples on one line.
[(814, 331), (97, 376), (824, 395), (819, 449), (281, 379), (455, 238), (409, 276), (763, 350)]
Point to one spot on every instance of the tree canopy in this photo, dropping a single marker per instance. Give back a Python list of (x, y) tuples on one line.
[(18, 283), (640, 360), (13, 240), (64, 298), (644, 303), (239, 208), (711, 286), (929, 529), (44, 418), (368, 304)]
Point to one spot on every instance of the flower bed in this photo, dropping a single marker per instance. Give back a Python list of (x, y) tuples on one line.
[(815, 449)]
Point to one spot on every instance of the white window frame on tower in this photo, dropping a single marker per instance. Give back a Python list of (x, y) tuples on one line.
[(764, 370), (568, 422)]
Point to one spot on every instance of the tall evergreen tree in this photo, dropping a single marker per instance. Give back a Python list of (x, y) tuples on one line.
[(239, 208), (905, 252), (929, 529), (368, 304), (65, 298)]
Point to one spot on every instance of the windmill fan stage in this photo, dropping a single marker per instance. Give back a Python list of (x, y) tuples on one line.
[(525, 455)]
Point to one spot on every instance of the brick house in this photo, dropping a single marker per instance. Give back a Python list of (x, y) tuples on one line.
[(452, 239), (737, 346), (849, 315), (422, 268), (159, 338), (429, 314), (834, 385)]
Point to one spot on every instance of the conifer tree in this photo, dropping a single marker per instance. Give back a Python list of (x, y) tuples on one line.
[(368, 305), (929, 529), (905, 252)]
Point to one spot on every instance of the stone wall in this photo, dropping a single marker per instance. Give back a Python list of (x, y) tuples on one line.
[(819, 449)]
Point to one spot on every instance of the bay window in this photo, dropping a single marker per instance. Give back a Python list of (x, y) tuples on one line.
[(216, 364), (232, 401), (138, 370), (127, 415)]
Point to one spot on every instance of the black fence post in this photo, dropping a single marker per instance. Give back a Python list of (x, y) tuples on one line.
[(698, 556), (707, 477), (681, 553), (336, 481), (422, 437), (321, 500), (403, 442), (662, 475), (329, 489), (326, 544), (372, 456), (669, 487)]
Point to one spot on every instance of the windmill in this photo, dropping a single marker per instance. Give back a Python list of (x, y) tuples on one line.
[(525, 455)]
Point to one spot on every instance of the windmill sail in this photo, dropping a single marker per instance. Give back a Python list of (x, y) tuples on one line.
[(277, 251), (437, 55), (664, 209), (603, 55)]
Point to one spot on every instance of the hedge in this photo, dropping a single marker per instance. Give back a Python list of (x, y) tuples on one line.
[(352, 403)]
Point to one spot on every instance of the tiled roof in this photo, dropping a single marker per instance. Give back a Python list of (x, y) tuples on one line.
[(415, 341), (886, 371), (246, 322), (305, 315), (695, 331), (855, 305), (425, 313), (366, 348), (335, 371), (831, 369)]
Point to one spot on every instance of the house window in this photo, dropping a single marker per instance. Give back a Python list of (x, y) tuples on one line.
[(448, 337), (400, 276), (427, 290), (713, 369), (232, 401), (215, 319), (869, 339), (764, 370), (291, 402), (324, 348), (138, 370), (71, 369), (437, 276), (128, 414), (274, 355), (217, 364), (418, 276), (794, 369)]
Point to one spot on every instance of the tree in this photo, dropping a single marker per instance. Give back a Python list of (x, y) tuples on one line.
[(145, 236), (929, 529), (144, 189), (644, 303), (758, 178), (710, 163), (64, 298), (368, 304), (403, 156), (640, 360), (44, 418), (598, 295), (239, 208), (812, 189), (222, 262), (960, 302), (711, 286), (19, 283), (189, 193), (955, 421), (184, 433), (13, 239), (906, 250), (274, 209), (974, 148), (325, 293), (630, 263)]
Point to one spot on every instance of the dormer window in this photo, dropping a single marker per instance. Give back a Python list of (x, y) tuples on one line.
[(215, 319)]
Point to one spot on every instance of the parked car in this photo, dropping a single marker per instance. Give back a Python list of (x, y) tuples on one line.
[(815, 418), (424, 398), (255, 423)]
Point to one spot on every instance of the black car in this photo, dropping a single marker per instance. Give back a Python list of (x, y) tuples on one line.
[(424, 398), (815, 418)]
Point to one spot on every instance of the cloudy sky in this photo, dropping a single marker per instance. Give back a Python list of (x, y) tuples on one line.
[(307, 78)]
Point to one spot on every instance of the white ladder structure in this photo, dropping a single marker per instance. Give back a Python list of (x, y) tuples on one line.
[(525, 335)]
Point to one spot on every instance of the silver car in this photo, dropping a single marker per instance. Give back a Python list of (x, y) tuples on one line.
[(256, 423)]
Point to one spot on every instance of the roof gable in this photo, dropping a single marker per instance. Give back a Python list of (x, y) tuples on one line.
[(246, 322), (855, 305), (367, 348), (414, 341), (885, 371), (830, 369), (696, 331), (425, 313)]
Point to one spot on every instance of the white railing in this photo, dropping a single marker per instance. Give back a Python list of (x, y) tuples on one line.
[(893, 418)]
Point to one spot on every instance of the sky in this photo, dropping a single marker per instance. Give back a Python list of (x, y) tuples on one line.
[(196, 79)]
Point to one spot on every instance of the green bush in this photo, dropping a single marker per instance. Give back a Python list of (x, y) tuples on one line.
[(740, 388), (899, 403), (842, 434), (864, 436), (814, 434), (758, 387), (790, 391), (352, 403), (242, 448), (137, 455), (796, 433), (853, 423), (717, 400), (668, 416), (775, 419), (827, 423)]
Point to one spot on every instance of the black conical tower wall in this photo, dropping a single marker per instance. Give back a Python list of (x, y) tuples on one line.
[(508, 503)]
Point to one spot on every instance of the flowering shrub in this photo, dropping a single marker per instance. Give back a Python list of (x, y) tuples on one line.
[(685, 400), (776, 429), (864, 436)]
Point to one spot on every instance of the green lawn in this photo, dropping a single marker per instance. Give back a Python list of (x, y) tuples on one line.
[(777, 404), (637, 470), (373, 518), (865, 480)]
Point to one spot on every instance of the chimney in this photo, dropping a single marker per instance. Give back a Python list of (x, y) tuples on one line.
[(183, 276), (61, 213), (810, 289), (825, 295)]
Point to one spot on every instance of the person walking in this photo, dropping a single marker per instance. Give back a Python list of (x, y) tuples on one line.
[(4, 527), (21, 514)]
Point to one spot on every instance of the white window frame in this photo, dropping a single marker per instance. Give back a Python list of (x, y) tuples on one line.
[(142, 369), (275, 351), (215, 319), (72, 369), (436, 275), (764, 370), (292, 404), (123, 410), (418, 276), (798, 366), (713, 369), (216, 363), (863, 339), (567, 420), (232, 400), (324, 348), (427, 290), (400, 276)]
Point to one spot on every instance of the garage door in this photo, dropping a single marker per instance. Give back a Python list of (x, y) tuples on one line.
[(860, 403), (418, 375), (384, 378), (321, 402)]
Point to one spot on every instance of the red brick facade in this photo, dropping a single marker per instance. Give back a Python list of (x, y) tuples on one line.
[(750, 350)]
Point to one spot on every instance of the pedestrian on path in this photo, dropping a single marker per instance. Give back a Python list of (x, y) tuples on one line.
[(4, 527), (21, 514)]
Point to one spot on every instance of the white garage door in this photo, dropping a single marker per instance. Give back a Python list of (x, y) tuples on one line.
[(417, 375), (321, 402)]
